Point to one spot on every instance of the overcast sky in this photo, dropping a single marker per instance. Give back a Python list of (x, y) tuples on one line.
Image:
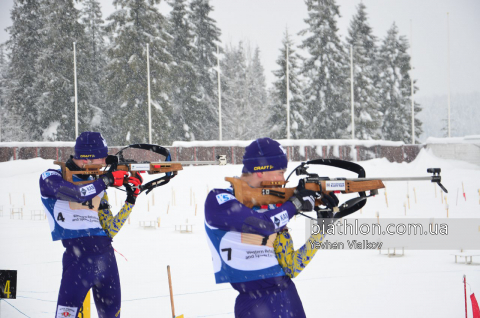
[(263, 23)]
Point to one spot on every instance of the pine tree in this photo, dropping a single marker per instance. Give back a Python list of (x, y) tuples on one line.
[(207, 37), (326, 73), (186, 98), (244, 95), (24, 46), (3, 82), (234, 93), (95, 54), (365, 79), (131, 27), (278, 116), (55, 72), (257, 103), (394, 63)]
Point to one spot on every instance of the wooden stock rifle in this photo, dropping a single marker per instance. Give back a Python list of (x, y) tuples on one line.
[(118, 162), (274, 192)]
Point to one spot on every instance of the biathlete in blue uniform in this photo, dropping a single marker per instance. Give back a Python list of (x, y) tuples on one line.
[(80, 216), (242, 239)]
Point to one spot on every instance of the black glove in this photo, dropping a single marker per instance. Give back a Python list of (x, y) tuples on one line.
[(304, 200), (330, 200), (114, 178)]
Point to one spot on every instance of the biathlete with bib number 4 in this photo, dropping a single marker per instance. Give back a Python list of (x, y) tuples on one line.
[(80, 216)]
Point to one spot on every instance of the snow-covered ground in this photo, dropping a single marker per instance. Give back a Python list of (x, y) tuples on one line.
[(336, 283)]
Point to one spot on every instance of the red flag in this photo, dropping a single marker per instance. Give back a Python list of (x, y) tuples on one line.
[(475, 309)]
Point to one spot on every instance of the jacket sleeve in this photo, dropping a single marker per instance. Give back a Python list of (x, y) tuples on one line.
[(224, 211), (293, 262), (112, 224), (52, 185)]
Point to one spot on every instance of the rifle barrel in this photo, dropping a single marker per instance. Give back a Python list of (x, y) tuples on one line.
[(197, 162), (388, 179)]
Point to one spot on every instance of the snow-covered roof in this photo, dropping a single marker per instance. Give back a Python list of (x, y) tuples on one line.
[(284, 142), (289, 142), (472, 139)]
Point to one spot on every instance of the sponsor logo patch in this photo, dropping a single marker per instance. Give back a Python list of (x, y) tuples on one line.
[(335, 185), (50, 173), (87, 156), (140, 167), (63, 311), (280, 219), (87, 190), (224, 197)]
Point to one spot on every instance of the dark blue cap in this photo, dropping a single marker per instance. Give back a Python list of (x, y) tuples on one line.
[(90, 145), (264, 154)]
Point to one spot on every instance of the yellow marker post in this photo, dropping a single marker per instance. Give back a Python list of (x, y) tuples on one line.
[(171, 293), (85, 310)]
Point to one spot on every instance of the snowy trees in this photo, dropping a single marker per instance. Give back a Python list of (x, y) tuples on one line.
[(95, 55), (278, 117), (24, 47), (41, 81), (234, 84), (131, 27), (206, 39), (244, 96), (186, 99), (395, 83), (326, 73), (54, 80), (365, 78), (112, 77), (3, 109), (256, 96)]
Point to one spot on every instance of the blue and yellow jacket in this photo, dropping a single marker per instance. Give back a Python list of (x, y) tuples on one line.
[(76, 211)]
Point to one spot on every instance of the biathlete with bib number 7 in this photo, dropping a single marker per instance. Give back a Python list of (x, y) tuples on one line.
[(241, 239)]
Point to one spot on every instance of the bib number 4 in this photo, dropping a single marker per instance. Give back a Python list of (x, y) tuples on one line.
[(60, 217)]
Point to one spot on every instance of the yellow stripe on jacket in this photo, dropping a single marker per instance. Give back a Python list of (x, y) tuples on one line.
[(293, 262), (110, 224)]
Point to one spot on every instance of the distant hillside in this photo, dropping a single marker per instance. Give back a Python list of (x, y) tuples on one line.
[(464, 112)]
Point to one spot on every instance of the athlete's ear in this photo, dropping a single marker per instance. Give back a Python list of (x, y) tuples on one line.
[(259, 174)]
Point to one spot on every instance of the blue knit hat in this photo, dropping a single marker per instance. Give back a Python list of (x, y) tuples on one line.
[(90, 145), (264, 154)]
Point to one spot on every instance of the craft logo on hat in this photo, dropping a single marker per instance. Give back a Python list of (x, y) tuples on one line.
[(262, 168)]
